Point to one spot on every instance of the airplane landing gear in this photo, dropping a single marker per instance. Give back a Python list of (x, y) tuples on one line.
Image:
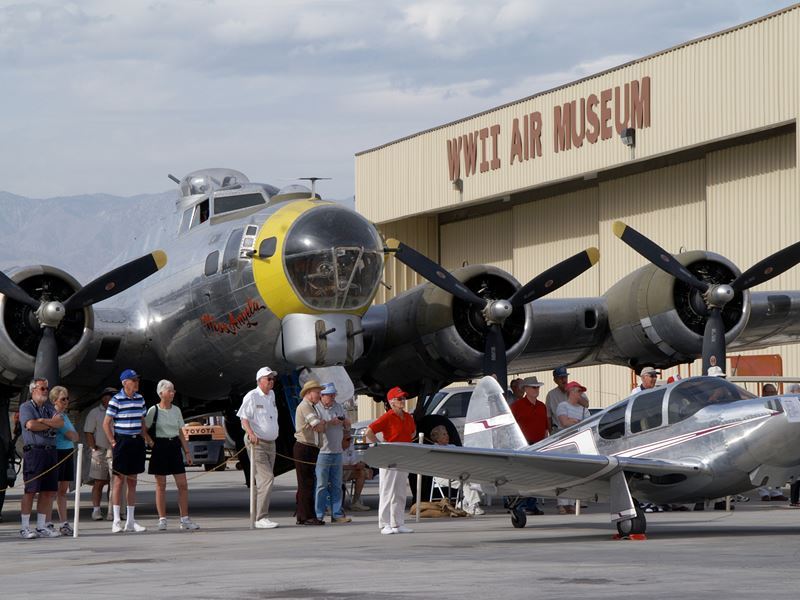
[(633, 527), (518, 517)]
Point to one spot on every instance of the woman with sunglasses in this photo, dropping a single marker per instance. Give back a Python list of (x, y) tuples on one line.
[(66, 437)]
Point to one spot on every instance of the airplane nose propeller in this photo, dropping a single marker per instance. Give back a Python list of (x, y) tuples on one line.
[(50, 313), (495, 312), (715, 296)]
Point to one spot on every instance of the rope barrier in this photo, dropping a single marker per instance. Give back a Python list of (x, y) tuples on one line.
[(43, 473)]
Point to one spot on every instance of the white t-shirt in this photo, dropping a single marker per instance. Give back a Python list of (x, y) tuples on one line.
[(262, 413), (573, 411), (94, 425)]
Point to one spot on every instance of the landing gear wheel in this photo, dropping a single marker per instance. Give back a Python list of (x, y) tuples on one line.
[(635, 526), (518, 517)]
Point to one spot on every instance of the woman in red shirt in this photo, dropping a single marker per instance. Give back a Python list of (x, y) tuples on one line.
[(397, 426)]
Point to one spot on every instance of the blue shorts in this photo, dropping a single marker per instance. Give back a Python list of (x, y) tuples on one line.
[(36, 461)]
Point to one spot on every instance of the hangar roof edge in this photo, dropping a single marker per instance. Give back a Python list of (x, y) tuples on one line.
[(587, 78)]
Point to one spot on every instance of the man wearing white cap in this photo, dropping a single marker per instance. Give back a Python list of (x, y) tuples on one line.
[(649, 377), (259, 416), (329, 461)]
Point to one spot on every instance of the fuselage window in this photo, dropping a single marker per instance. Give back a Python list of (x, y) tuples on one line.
[(230, 258), (612, 425), (187, 220), (646, 412), (212, 263), (200, 213), (456, 405)]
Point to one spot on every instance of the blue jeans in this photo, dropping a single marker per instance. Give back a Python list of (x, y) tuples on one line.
[(329, 485)]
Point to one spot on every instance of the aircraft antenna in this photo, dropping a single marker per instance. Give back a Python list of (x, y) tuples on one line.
[(313, 181), (175, 179)]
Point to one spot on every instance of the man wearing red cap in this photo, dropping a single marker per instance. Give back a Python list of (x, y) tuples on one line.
[(397, 426)]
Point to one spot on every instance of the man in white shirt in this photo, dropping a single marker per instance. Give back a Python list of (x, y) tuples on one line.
[(100, 469), (649, 377), (259, 416)]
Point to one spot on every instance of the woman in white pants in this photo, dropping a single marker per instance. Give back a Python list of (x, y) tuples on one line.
[(396, 425)]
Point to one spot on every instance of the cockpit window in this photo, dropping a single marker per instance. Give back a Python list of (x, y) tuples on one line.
[(689, 396), (646, 412), (334, 258), (225, 204), (612, 424)]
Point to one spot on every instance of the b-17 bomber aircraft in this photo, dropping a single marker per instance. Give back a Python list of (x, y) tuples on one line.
[(236, 275), (696, 439)]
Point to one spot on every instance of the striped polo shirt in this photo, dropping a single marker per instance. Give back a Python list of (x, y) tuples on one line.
[(127, 413)]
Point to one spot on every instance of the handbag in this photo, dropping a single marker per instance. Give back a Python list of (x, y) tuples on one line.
[(152, 429), (11, 475)]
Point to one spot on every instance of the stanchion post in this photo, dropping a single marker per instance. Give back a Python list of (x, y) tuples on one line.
[(78, 478), (419, 481), (578, 507), (252, 456)]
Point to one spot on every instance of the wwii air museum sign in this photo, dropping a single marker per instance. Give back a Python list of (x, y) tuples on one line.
[(588, 120)]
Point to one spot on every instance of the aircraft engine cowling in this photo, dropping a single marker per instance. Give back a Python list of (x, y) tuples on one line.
[(433, 335), (20, 331), (657, 320)]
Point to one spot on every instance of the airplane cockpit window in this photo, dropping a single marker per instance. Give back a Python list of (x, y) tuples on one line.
[(689, 396), (333, 258), (206, 181), (200, 213), (225, 204), (612, 424), (646, 412)]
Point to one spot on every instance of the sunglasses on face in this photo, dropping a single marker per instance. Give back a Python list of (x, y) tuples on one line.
[(41, 388)]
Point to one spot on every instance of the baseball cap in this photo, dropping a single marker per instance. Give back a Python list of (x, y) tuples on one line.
[(109, 391), (575, 384), (128, 374), (264, 372), (560, 372), (395, 393), (649, 371), (328, 389), (531, 382)]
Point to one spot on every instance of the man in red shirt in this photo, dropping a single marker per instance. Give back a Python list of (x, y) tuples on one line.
[(530, 412), (531, 416)]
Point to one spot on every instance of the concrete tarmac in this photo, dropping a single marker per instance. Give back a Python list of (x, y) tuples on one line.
[(752, 551)]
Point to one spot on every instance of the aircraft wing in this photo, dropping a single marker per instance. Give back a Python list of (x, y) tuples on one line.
[(543, 473)]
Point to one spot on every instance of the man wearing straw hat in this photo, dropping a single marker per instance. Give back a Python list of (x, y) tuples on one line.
[(308, 440)]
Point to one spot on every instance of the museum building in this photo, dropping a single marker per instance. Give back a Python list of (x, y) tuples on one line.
[(694, 146)]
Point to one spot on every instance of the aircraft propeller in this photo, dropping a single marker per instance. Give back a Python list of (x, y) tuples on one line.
[(495, 312), (715, 296), (50, 313)]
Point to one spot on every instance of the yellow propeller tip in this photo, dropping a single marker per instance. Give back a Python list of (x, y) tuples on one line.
[(392, 243), (593, 254), (619, 228), (160, 258)]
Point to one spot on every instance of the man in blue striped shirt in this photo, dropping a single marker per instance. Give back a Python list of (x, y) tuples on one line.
[(124, 426)]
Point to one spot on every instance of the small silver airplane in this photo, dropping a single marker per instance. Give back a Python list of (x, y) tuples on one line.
[(697, 439)]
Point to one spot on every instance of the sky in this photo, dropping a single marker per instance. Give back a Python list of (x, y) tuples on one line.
[(109, 97)]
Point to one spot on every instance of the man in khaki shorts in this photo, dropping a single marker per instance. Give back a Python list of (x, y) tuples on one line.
[(96, 439)]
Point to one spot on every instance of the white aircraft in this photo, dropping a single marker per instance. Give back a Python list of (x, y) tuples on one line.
[(696, 439)]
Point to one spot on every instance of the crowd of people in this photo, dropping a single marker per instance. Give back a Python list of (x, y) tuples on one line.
[(120, 428)]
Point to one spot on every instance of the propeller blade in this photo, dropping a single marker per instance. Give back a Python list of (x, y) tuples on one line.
[(12, 290), (714, 341), (555, 277), (657, 255), (494, 359), (47, 357), (770, 267), (116, 281), (436, 274)]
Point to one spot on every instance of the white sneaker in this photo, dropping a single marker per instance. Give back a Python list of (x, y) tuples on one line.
[(134, 527), (403, 529), (359, 507), (162, 524), (66, 529), (189, 525), (48, 531), (387, 530), (265, 523), (116, 527), (97, 516), (27, 534), (476, 510)]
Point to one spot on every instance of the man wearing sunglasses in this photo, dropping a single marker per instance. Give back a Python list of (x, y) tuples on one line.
[(39, 424)]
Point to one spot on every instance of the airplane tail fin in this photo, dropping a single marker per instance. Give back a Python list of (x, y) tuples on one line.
[(490, 423)]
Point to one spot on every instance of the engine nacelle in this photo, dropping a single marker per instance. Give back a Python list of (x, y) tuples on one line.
[(20, 331), (658, 320), (436, 336)]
